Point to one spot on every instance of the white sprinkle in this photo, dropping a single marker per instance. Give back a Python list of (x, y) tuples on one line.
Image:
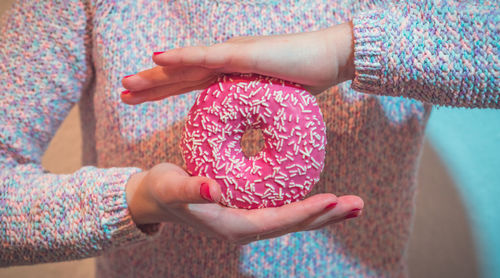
[(304, 99), (246, 199), (269, 186), (280, 182)]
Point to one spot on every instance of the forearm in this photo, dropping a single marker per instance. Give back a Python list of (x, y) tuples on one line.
[(48, 218)]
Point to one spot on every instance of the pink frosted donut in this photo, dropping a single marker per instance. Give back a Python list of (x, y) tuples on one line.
[(292, 125)]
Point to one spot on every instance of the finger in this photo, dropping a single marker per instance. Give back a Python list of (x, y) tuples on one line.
[(347, 205), (225, 57), (336, 219), (180, 190), (353, 214), (246, 223), (193, 55), (159, 76), (331, 214), (162, 92)]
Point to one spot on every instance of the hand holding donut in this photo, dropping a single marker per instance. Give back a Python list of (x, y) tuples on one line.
[(317, 60), (166, 193)]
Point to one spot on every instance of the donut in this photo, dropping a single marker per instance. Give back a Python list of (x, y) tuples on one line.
[(289, 164)]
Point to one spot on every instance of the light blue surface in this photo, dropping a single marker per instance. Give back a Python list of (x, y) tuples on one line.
[(468, 141)]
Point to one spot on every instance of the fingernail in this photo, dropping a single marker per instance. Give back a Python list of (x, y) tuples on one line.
[(125, 92), (330, 206), (205, 192), (353, 213), (158, 53), (128, 76)]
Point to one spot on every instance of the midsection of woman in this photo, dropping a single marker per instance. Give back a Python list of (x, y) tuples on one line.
[(372, 151)]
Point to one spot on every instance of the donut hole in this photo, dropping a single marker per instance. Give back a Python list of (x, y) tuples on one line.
[(252, 142)]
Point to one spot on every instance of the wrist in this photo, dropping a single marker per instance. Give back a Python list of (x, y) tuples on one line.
[(137, 200), (344, 44)]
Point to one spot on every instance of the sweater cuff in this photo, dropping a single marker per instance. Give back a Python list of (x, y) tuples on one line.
[(117, 223), (368, 34)]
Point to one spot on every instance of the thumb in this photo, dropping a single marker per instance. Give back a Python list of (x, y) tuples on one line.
[(187, 189)]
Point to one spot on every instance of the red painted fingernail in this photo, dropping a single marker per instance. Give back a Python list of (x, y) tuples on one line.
[(125, 92), (128, 76), (205, 192), (330, 206), (352, 214), (158, 53)]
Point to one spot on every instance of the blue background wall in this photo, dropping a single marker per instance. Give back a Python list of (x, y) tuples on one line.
[(468, 141)]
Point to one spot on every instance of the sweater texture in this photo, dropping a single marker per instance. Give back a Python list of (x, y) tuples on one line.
[(54, 54)]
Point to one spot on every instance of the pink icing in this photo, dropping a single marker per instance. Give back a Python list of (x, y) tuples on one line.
[(292, 159)]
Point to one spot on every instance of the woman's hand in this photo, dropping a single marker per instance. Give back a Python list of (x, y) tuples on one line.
[(166, 193), (317, 60)]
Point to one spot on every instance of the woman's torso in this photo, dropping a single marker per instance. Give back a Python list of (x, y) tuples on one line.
[(372, 151)]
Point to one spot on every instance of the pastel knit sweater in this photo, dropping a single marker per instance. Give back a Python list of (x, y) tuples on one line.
[(56, 53)]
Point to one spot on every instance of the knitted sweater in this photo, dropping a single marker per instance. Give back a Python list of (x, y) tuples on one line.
[(56, 53)]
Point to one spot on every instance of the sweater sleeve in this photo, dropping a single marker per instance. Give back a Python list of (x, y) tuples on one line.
[(439, 52), (44, 67)]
